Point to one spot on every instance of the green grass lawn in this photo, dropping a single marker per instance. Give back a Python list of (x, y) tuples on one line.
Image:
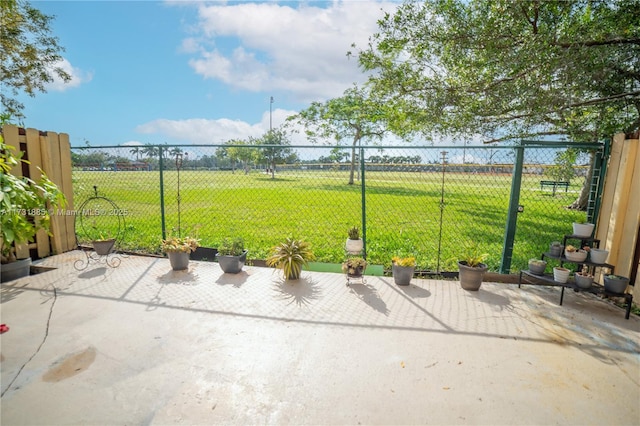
[(406, 212)]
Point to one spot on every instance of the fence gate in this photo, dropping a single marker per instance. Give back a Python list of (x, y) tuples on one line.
[(529, 231)]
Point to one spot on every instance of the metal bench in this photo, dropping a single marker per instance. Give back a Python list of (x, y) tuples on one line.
[(554, 184)]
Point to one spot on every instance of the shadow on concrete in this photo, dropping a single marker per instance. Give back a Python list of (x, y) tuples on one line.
[(235, 280), (369, 295), (301, 292)]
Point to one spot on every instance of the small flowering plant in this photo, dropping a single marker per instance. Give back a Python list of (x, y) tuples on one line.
[(404, 261), (183, 244), (354, 265)]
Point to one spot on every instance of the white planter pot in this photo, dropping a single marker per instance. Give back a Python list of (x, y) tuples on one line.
[(583, 229), (599, 255), (354, 246), (560, 275), (576, 256)]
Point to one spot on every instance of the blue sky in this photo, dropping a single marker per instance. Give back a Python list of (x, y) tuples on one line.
[(192, 72)]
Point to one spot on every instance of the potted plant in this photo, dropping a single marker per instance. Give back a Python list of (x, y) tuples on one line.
[(24, 210), (561, 274), (575, 254), (537, 266), (354, 244), (583, 278), (354, 267), (583, 229), (178, 250), (555, 249), (231, 255), (403, 269), (101, 241), (103, 245), (598, 255), (290, 256), (615, 283), (471, 269)]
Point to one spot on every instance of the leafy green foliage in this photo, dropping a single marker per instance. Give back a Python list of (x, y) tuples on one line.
[(473, 256), (562, 170), (353, 116), (180, 244), (24, 203), (29, 54), (231, 246), (508, 69)]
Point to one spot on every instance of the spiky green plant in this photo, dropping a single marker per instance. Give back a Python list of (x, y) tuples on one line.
[(354, 233), (290, 256)]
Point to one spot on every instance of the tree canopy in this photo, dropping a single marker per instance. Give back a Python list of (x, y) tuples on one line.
[(354, 116), (508, 69), (29, 54)]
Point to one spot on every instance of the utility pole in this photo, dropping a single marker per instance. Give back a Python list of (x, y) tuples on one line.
[(270, 114)]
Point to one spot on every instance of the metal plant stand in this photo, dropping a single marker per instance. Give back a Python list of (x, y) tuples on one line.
[(355, 279), (96, 218)]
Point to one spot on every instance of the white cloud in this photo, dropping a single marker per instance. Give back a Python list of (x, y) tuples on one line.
[(78, 77), (208, 131), (132, 143), (298, 49)]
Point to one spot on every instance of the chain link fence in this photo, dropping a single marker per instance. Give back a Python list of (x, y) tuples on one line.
[(428, 202)]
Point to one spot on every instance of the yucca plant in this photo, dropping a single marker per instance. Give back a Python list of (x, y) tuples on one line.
[(290, 256)]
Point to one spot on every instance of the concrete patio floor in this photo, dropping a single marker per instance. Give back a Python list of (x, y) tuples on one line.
[(141, 344)]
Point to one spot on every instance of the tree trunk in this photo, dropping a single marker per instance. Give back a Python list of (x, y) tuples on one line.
[(581, 202), (353, 163)]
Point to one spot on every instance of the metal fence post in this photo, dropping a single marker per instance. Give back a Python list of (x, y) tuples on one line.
[(162, 218), (512, 215), (364, 204)]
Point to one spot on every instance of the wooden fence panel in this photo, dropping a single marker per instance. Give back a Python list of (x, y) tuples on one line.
[(50, 152), (32, 141), (619, 218), (67, 189)]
